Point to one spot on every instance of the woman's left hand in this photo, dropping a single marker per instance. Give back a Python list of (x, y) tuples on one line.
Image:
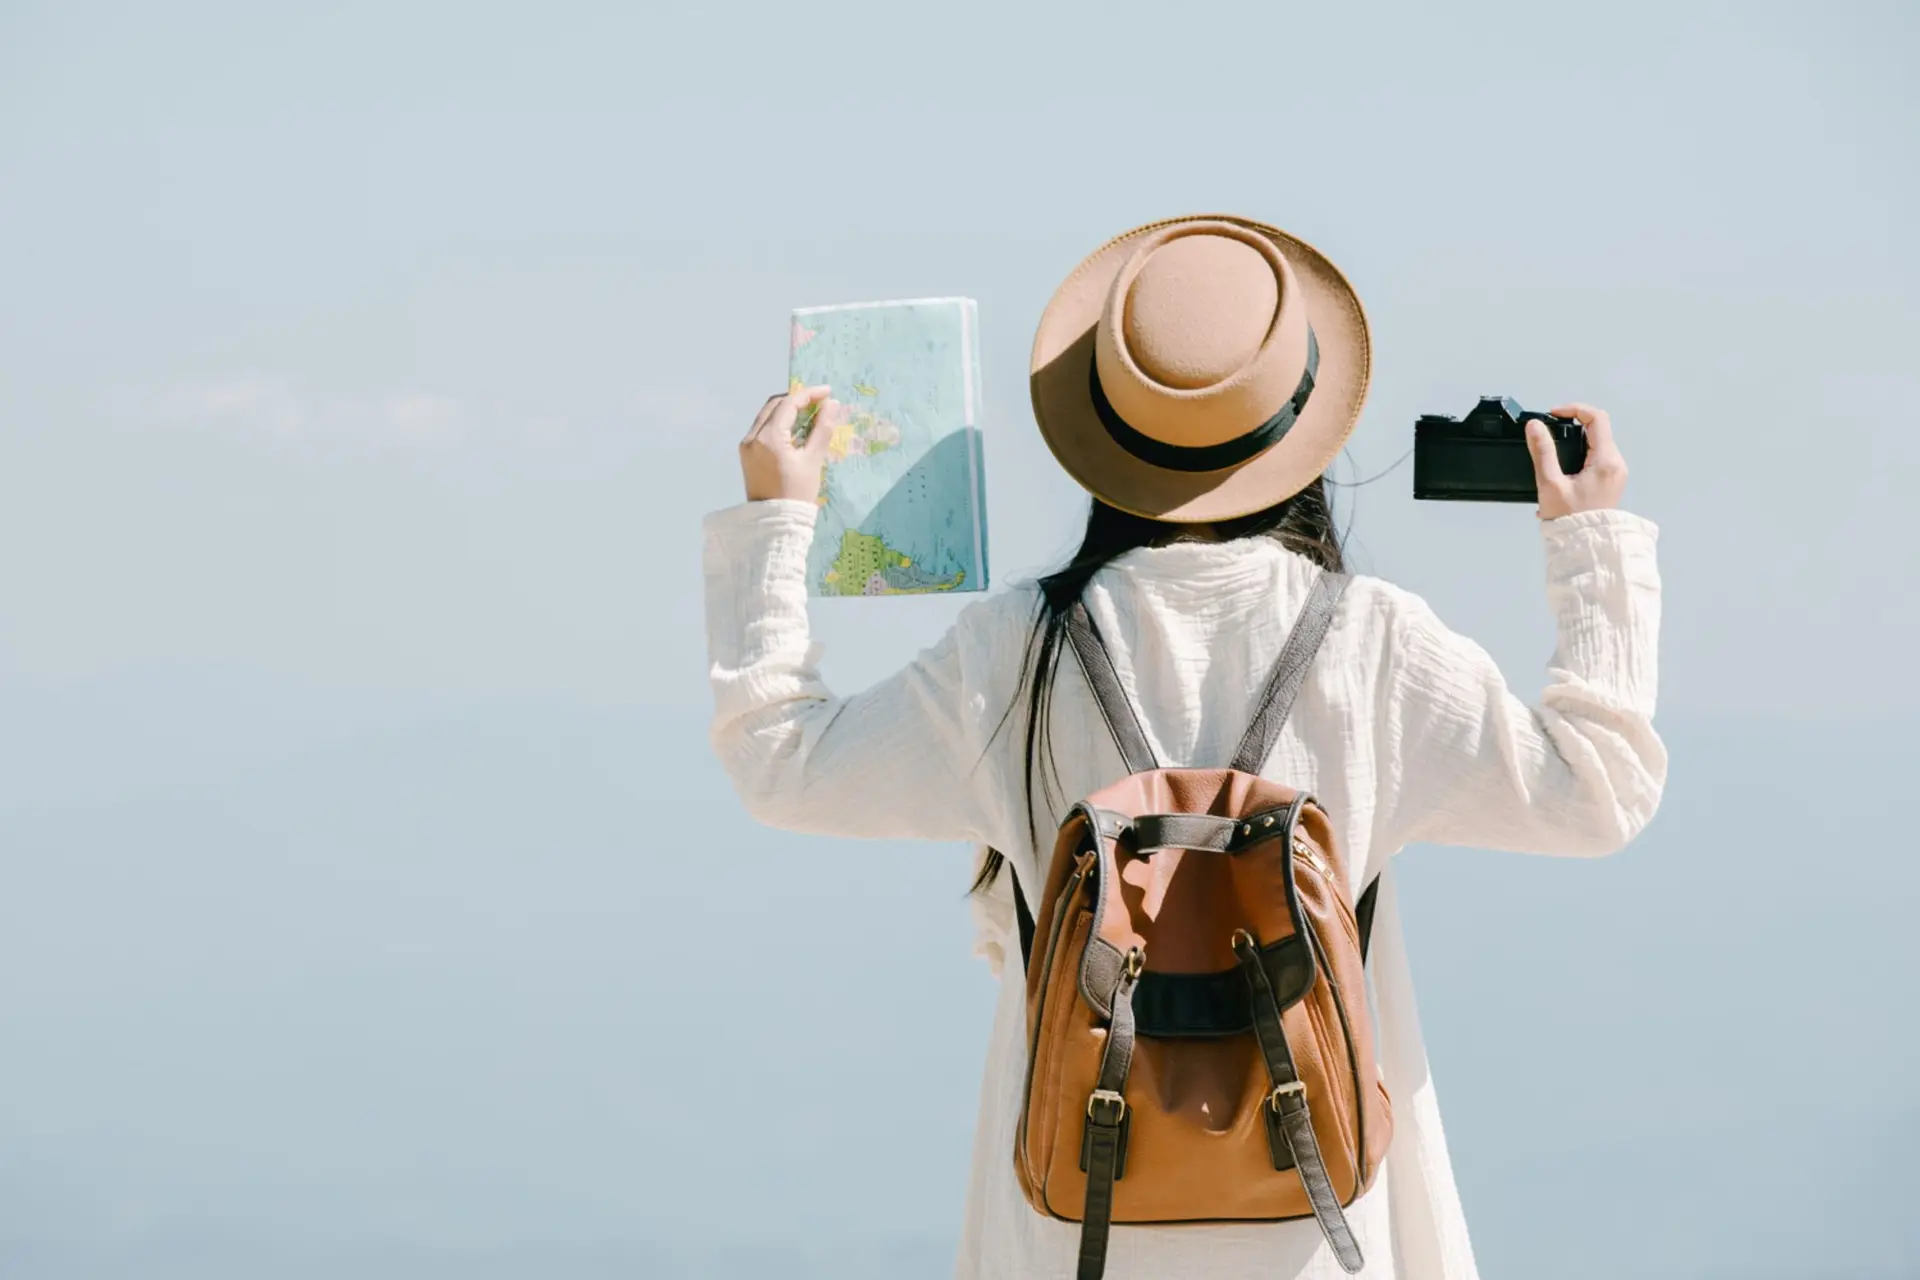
[(773, 463)]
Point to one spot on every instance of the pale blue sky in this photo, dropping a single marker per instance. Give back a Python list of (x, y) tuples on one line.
[(364, 372)]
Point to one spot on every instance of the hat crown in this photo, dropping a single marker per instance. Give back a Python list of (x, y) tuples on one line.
[(1178, 376), (1200, 339), (1198, 309)]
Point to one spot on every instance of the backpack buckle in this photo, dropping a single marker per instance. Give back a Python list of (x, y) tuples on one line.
[(1281, 1090), (1107, 1098)]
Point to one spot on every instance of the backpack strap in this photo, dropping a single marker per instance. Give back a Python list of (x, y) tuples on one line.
[(1363, 915), (1289, 1119), (1289, 672), (1023, 919), (1103, 1142), (1122, 721)]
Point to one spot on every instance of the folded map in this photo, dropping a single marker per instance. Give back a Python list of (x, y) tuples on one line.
[(903, 510)]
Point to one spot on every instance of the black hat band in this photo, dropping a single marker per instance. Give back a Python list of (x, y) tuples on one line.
[(1210, 457)]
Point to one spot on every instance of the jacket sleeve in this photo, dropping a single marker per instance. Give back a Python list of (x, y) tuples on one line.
[(904, 759), (1463, 761)]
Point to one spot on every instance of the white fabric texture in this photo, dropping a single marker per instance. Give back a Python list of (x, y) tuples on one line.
[(1405, 731)]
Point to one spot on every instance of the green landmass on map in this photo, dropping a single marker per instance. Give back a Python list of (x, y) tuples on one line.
[(867, 566)]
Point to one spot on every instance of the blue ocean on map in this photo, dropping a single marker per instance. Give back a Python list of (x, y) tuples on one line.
[(903, 509)]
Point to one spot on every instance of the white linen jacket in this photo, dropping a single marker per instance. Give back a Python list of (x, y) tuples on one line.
[(1405, 731)]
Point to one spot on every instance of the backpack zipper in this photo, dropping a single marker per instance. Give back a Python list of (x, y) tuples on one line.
[(1353, 1060), (1305, 853), (1064, 902)]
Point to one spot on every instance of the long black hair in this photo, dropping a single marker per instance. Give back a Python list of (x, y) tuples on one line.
[(1302, 523)]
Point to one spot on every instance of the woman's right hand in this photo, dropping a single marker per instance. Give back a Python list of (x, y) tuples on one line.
[(772, 462), (1598, 485)]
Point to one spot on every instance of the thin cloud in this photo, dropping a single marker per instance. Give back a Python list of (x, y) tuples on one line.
[(276, 409), (263, 406), (687, 422), (678, 409), (421, 417)]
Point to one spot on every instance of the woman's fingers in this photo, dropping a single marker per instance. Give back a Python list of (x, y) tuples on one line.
[(1555, 488), (784, 411), (766, 411), (1599, 426), (1546, 459), (1601, 480), (772, 462)]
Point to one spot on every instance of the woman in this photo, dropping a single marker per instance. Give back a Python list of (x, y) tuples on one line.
[(1197, 377)]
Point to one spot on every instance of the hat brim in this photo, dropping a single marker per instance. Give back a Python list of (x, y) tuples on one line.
[(1060, 375)]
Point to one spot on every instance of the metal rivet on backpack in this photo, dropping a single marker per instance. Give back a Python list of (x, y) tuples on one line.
[(1267, 821), (1246, 828)]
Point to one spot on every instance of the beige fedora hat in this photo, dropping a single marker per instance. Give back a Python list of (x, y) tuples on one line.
[(1200, 368)]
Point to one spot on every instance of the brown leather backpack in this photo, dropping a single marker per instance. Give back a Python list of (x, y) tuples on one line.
[(1201, 1045)]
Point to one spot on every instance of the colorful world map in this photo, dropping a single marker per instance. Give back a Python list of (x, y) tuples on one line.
[(903, 507)]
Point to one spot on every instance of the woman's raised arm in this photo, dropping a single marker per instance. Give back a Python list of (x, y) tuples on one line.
[(902, 759), (1465, 761)]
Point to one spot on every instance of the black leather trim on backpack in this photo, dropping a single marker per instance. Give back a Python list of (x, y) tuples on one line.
[(1106, 824), (1099, 968), (1101, 823), (1101, 963), (1210, 1006), (1151, 832)]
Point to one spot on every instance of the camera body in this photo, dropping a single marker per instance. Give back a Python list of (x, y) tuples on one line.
[(1483, 457)]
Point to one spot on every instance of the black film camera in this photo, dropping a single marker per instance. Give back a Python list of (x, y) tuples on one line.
[(1483, 457)]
